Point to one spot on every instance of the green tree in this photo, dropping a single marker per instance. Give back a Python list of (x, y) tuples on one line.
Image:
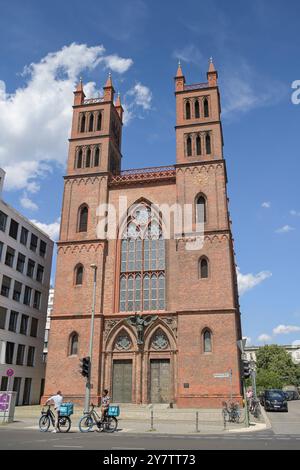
[(275, 366)]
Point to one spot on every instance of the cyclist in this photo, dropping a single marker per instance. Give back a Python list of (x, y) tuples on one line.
[(57, 401), (105, 400)]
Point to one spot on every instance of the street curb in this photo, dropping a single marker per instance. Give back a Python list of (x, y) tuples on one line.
[(266, 418)]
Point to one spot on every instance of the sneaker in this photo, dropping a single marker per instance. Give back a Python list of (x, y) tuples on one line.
[(54, 430)]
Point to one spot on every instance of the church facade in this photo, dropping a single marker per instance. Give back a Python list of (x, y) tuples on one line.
[(167, 317)]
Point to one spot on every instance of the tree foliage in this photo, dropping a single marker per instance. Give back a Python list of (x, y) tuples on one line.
[(275, 367)]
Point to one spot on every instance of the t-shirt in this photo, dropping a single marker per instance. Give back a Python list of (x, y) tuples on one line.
[(105, 400), (57, 401)]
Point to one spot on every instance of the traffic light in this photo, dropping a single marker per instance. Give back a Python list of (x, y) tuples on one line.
[(85, 366), (246, 369)]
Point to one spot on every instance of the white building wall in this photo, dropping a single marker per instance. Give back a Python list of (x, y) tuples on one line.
[(37, 372)]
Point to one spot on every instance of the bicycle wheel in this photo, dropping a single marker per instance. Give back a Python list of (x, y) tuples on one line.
[(64, 424), (86, 423), (44, 423), (257, 412), (111, 424), (225, 415)]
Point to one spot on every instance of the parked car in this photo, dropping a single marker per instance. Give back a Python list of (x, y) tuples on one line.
[(274, 400), (291, 395), (292, 392)]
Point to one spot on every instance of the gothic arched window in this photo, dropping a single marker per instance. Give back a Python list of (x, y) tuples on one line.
[(96, 158), (189, 146), (187, 110), (201, 210), (73, 344), (79, 275), (142, 277), (205, 107), (208, 144), (203, 268), (207, 341), (82, 124), (79, 159), (99, 121), (197, 109), (198, 145), (91, 123), (83, 219), (88, 158)]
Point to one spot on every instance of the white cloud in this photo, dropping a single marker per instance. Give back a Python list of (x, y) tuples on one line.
[(295, 213), (248, 281), (190, 54), (264, 338), (142, 95), (296, 342), (117, 64), (36, 118), (139, 96), (27, 203), (51, 229), (285, 329), (284, 229), (241, 92), (266, 205)]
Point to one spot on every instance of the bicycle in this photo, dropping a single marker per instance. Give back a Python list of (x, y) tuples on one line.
[(48, 417), (231, 413), (91, 419), (254, 408)]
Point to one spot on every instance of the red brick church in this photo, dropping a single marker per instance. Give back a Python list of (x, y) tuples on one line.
[(167, 314)]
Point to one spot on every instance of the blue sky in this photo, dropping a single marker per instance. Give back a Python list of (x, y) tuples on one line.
[(255, 49)]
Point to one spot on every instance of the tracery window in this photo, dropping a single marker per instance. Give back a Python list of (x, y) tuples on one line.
[(142, 276)]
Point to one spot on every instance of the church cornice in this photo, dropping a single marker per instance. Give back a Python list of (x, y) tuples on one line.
[(197, 124), (86, 175), (89, 137)]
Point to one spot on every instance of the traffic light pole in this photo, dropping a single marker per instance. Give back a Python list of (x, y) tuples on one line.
[(246, 404), (88, 380)]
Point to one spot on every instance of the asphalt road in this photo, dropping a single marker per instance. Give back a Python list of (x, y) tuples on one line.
[(286, 423), (21, 439)]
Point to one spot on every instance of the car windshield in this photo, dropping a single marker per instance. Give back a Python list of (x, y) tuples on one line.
[(275, 395)]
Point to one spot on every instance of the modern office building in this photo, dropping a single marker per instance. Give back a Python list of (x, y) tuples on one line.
[(25, 266), (48, 323)]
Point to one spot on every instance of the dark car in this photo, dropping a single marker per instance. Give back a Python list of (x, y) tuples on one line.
[(275, 400), (291, 395)]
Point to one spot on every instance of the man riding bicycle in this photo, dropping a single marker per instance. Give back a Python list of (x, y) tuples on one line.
[(57, 401)]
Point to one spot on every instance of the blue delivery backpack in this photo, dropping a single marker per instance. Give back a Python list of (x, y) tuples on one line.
[(113, 410), (66, 409)]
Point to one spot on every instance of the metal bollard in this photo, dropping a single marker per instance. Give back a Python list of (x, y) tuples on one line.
[(197, 421), (151, 428)]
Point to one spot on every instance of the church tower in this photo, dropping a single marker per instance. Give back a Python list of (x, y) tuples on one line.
[(94, 155)]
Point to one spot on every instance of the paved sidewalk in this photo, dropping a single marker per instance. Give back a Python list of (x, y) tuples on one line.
[(138, 420)]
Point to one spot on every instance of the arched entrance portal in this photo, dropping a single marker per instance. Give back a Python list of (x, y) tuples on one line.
[(136, 373)]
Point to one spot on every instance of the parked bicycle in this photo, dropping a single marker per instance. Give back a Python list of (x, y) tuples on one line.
[(254, 408), (109, 423), (231, 412), (48, 418)]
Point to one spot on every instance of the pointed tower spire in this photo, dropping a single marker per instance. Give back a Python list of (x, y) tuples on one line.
[(179, 70), (119, 107), (109, 89), (79, 93), (179, 78), (212, 74)]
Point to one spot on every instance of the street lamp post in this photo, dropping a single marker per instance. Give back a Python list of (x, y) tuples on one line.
[(88, 381)]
